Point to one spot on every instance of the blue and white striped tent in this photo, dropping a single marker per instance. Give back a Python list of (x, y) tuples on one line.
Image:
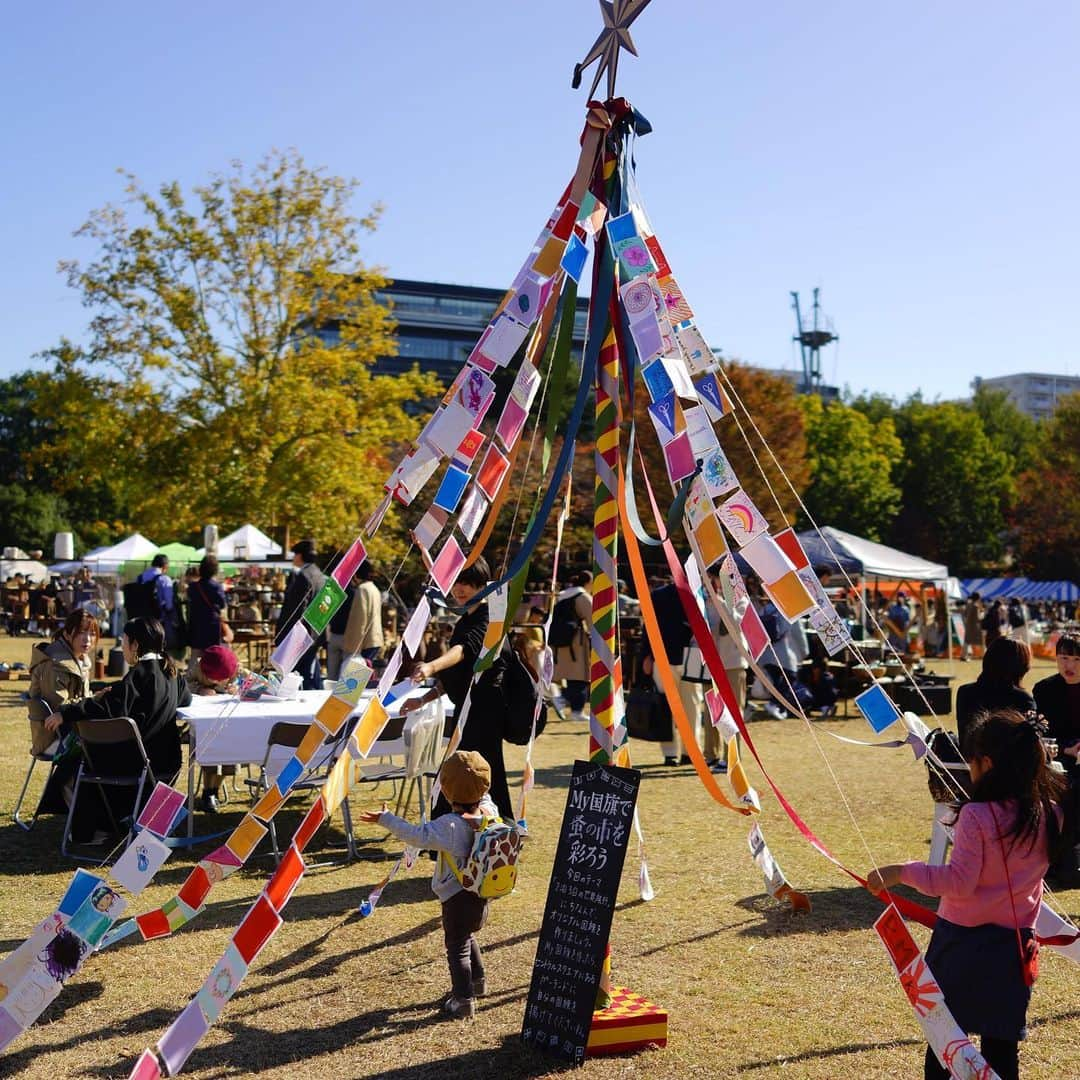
[(1007, 587)]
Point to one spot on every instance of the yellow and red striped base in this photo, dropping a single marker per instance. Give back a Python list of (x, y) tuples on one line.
[(630, 1022)]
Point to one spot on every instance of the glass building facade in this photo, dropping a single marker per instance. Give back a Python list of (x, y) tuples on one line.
[(438, 324)]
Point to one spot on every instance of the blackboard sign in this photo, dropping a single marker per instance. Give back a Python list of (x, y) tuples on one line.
[(596, 826)]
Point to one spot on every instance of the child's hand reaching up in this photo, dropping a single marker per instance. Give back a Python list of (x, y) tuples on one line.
[(372, 816), (884, 877)]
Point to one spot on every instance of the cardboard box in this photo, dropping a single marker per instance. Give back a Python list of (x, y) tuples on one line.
[(631, 1022)]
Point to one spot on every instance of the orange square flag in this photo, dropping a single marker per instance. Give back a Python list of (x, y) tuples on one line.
[(709, 538), (370, 726), (790, 595)]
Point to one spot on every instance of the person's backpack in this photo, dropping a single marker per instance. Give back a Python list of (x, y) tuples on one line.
[(141, 600), (490, 868), (565, 624), (509, 688)]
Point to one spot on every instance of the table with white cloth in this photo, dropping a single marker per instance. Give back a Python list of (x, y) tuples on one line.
[(226, 731)]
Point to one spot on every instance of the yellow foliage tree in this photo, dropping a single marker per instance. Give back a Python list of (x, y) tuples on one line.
[(239, 326)]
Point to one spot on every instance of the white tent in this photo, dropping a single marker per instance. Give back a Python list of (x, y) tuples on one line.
[(29, 568), (247, 542), (885, 562), (108, 560)]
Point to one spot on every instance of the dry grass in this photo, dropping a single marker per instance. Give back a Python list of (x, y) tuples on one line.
[(752, 990)]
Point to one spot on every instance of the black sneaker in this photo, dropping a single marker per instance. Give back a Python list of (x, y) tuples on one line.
[(208, 804)]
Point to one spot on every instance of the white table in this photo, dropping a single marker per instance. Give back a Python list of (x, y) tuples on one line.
[(225, 731)]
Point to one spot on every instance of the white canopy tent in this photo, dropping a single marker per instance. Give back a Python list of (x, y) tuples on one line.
[(885, 562), (29, 568), (108, 560), (247, 542)]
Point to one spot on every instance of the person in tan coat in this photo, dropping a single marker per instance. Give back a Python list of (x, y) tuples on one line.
[(364, 630), (60, 674), (569, 640)]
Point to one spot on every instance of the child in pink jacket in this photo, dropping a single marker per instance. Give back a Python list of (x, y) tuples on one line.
[(992, 887)]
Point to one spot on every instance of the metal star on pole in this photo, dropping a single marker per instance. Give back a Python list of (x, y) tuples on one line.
[(618, 16)]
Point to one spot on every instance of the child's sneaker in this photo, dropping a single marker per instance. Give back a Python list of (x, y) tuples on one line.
[(460, 1008)]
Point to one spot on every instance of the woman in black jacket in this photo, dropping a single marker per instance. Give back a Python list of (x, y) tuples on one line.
[(1004, 665), (150, 693), (1058, 699)]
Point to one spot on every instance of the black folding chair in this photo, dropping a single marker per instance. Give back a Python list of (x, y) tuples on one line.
[(94, 735), (289, 736)]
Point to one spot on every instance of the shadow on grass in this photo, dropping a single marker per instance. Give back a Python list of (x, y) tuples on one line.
[(784, 1061), (252, 1049), (838, 908), (152, 1020)]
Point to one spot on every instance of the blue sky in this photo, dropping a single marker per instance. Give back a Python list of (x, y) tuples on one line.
[(919, 162)]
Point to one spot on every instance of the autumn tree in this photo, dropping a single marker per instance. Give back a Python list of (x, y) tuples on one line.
[(238, 324), (851, 459), (1046, 515)]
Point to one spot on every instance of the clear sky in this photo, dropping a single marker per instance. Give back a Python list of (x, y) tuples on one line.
[(919, 162)]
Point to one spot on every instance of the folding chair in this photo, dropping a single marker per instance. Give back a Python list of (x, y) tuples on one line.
[(51, 760), (422, 738), (100, 733), (289, 736)]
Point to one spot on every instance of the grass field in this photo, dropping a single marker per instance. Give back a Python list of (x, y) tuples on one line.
[(752, 989)]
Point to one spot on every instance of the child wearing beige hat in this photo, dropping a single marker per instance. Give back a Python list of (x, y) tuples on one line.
[(465, 777)]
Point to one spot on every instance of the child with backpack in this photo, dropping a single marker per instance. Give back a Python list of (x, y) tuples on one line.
[(983, 951), (465, 778)]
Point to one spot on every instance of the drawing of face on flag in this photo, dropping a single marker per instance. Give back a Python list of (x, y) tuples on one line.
[(742, 519)]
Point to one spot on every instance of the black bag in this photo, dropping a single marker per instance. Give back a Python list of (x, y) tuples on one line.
[(648, 715), (565, 623), (141, 601), (508, 687)]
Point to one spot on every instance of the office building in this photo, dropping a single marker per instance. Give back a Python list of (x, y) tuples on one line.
[(438, 325), (1033, 393)]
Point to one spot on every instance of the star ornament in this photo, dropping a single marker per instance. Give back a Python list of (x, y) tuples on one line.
[(618, 17)]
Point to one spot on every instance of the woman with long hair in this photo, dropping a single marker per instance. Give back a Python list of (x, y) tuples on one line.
[(983, 951)]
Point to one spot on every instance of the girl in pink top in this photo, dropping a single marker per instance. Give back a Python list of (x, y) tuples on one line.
[(991, 889)]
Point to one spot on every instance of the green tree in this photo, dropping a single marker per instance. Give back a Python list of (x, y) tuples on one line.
[(1010, 430), (1046, 515), (852, 460), (956, 487), (240, 325), (30, 519)]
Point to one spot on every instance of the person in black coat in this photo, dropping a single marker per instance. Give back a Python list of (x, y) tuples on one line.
[(1058, 700), (1004, 665), (150, 693), (303, 586), (454, 671)]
